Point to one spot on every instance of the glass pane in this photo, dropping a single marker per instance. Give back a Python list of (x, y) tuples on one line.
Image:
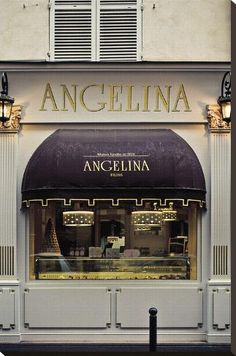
[(108, 243)]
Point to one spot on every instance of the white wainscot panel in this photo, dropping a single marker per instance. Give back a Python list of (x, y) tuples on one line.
[(221, 308), (7, 308), (177, 308), (67, 308)]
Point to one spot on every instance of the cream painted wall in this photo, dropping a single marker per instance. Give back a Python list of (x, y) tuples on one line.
[(186, 30), (175, 30), (24, 30)]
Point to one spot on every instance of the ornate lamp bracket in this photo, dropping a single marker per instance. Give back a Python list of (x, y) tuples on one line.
[(215, 120), (13, 125)]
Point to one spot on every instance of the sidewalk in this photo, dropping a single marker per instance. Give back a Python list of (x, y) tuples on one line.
[(72, 347)]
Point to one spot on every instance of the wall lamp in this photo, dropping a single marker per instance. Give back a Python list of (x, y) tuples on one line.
[(6, 101), (225, 99)]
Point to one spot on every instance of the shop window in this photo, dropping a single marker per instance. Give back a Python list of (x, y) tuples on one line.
[(101, 30), (106, 242)]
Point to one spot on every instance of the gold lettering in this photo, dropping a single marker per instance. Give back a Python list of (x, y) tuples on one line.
[(66, 93), (116, 166), (48, 94), (114, 97), (87, 167), (146, 98), (116, 174), (96, 166), (181, 96), (145, 166), (129, 99), (137, 165), (108, 167), (123, 167), (165, 101), (82, 99), (162, 99)]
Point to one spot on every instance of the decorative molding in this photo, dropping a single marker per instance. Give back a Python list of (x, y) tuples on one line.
[(13, 125), (215, 121), (221, 301), (220, 260), (114, 202), (116, 67)]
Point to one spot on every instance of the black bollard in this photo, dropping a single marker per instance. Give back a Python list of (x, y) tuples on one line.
[(152, 329)]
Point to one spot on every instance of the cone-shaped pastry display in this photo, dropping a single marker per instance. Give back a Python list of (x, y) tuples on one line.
[(50, 243)]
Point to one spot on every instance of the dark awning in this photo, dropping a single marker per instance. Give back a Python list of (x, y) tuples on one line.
[(114, 163)]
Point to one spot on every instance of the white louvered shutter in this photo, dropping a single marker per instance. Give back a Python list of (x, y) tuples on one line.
[(72, 35), (95, 30), (119, 24)]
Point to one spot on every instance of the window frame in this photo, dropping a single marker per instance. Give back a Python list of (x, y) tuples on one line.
[(198, 279)]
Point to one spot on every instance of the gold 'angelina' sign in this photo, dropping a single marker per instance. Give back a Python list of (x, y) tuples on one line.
[(115, 98), (116, 168)]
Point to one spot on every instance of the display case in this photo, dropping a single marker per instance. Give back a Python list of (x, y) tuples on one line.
[(59, 267)]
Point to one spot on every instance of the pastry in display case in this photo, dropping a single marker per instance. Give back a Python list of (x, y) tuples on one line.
[(112, 268)]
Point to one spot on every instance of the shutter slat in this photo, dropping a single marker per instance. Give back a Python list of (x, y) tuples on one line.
[(117, 2), (72, 2)]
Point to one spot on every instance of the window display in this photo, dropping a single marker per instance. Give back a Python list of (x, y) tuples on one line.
[(107, 242)]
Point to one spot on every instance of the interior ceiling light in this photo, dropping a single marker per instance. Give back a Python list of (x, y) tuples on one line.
[(147, 217), (153, 217), (78, 218), (169, 214)]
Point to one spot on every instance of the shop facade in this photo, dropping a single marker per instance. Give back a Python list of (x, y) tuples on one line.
[(115, 198)]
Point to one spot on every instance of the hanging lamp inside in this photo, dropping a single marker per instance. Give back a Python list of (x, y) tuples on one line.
[(155, 217), (78, 218), (169, 214)]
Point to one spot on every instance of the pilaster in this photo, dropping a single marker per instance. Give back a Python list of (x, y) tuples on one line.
[(220, 153), (219, 284), (8, 181)]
